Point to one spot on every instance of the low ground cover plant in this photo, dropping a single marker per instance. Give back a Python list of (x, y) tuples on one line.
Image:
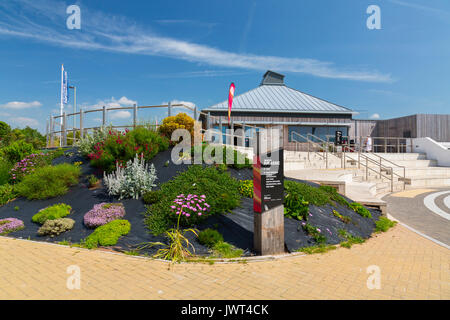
[(7, 193), (108, 234), (131, 181), (335, 196), (319, 248), (226, 250), (103, 213), (10, 225), (219, 188), (209, 237), (246, 188), (49, 181), (350, 239), (53, 212), (344, 219), (214, 240), (56, 227), (312, 195), (152, 197), (360, 209), (384, 224), (28, 165), (314, 232)]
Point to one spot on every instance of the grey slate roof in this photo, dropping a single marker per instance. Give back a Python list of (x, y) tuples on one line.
[(278, 98)]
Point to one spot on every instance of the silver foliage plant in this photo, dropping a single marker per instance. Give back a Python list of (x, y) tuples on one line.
[(132, 181), (87, 143)]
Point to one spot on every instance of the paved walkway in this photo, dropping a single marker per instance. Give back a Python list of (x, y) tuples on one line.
[(410, 266), (409, 208)]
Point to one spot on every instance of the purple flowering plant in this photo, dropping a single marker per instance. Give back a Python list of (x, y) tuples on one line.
[(10, 225), (102, 213), (27, 165)]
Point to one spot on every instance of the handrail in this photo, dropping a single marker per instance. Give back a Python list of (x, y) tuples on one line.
[(373, 161), (325, 157)]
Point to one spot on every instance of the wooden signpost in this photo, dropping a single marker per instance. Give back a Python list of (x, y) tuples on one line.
[(268, 187)]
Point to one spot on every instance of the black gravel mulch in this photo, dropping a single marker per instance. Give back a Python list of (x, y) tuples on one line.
[(236, 227)]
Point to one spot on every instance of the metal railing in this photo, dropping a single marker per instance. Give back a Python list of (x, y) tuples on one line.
[(64, 129), (379, 144), (363, 160)]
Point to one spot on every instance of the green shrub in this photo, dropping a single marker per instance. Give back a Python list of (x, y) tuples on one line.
[(335, 196), (209, 237), (108, 234), (227, 153), (56, 227), (246, 188), (5, 168), (360, 209), (220, 189), (49, 181), (152, 197), (313, 195), (180, 121), (7, 193), (384, 224), (226, 250), (295, 206), (118, 147), (92, 180), (17, 150), (53, 212)]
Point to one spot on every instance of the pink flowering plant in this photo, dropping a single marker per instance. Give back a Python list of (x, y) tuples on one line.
[(190, 206), (27, 165), (102, 213), (10, 225), (177, 249)]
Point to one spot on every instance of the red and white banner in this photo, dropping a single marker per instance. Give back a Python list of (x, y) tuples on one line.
[(230, 101)]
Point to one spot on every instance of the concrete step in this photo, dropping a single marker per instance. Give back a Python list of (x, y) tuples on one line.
[(391, 156)]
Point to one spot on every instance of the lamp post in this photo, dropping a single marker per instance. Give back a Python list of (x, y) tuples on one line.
[(74, 111)]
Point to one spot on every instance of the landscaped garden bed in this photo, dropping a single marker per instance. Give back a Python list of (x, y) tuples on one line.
[(121, 190)]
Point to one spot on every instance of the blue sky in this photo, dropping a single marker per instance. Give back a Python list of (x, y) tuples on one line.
[(151, 52)]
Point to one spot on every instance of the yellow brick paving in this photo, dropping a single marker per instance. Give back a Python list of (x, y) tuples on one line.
[(411, 268)]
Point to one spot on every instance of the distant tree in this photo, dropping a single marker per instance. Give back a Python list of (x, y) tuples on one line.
[(29, 135), (5, 133)]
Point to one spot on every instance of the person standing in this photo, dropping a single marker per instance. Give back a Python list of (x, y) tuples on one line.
[(368, 144)]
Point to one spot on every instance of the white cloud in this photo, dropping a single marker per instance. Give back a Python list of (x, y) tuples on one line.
[(121, 114), (375, 116), (20, 105), (126, 102), (24, 121), (118, 34), (111, 103)]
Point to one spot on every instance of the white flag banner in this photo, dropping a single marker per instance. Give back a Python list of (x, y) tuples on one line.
[(65, 88)]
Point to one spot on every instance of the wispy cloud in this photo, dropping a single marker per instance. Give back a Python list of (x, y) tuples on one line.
[(421, 7), (24, 121), (45, 22), (110, 103), (17, 105), (375, 116), (247, 27), (197, 74)]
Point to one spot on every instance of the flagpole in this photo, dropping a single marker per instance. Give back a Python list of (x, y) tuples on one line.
[(62, 105)]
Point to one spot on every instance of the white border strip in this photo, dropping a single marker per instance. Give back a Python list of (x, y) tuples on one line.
[(429, 202)]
